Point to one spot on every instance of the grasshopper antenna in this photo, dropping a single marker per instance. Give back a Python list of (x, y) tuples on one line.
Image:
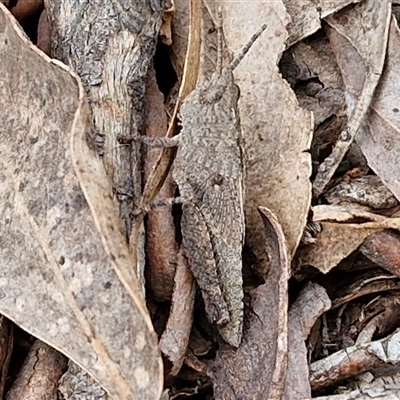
[(236, 61), (219, 40)]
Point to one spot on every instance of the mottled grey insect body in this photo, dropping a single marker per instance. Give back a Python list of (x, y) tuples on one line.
[(208, 169)]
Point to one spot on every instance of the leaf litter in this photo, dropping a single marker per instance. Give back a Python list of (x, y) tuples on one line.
[(341, 252), (67, 273)]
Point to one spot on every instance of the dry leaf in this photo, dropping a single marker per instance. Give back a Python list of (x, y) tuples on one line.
[(24, 9), (161, 246), (358, 36), (379, 136), (343, 213), (276, 131), (367, 191), (312, 302), (383, 249), (306, 16), (338, 240), (257, 369), (175, 338), (302, 64), (180, 29), (67, 275)]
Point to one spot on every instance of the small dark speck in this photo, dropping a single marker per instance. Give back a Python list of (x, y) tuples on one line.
[(112, 257), (6, 41), (21, 187), (107, 285), (34, 140), (62, 260), (7, 220), (395, 110), (111, 227)]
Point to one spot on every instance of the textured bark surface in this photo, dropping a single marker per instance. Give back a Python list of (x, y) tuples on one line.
[(38, 377), (110, 44)]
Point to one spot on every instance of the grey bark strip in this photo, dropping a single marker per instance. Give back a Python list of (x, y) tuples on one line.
[(110, 44)]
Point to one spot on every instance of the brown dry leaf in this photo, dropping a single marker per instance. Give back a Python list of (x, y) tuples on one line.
[(306, 16), (175, 338), (24, 9), (343, 213), (161, 246), (383, 248), (338, 240), (257, 369), (358, 36), (277, 132), (312, 302), (67, 275), (379, 136)]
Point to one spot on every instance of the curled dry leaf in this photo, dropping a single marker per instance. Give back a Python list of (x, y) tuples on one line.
[(161, 246), (358, 36), (44, 34), (383, 248), (379, 136), (175, 338), (276, 131), (24, 9), (68, 275), (312, 302), (343, 213), (367, 283), (304, 62), (306, 16), (382, 323), (257, 369), (337, 240)]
